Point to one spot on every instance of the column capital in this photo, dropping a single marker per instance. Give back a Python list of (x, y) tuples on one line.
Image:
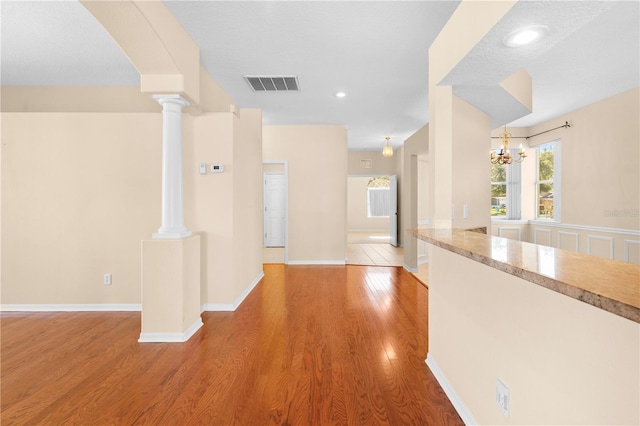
[(171, 98)]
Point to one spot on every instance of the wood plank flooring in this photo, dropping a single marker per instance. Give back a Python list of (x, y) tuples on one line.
[(311, 345)]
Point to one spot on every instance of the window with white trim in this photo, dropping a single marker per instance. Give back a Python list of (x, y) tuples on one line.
[(505, 191), (548, 181)]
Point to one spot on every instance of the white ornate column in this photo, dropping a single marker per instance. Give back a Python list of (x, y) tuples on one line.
[(172, 204)]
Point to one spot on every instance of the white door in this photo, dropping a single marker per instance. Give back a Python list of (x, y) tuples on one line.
[(393, 210), (275, 209)]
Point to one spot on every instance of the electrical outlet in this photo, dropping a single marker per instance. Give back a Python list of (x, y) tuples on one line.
[(503, 399), (107, 279)]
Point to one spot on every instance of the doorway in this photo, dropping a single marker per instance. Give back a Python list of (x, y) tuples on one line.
[(372, 221), (275, 208)]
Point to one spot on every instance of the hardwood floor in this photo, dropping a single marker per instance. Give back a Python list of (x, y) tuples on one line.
[(311, 345)]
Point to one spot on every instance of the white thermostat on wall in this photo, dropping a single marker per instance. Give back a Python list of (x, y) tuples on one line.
[(217, 168)]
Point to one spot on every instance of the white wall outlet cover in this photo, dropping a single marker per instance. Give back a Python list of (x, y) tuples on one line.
[(107, 279), (503, 398)]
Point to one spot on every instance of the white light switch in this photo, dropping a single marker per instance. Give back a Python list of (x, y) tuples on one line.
[(465, 211), (203, 168)]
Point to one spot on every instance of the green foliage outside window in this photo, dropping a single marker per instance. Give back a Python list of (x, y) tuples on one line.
[(545, 182), (498, 190)]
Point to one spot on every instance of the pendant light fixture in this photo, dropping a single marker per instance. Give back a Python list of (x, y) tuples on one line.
[(503, 155), (387, 151)]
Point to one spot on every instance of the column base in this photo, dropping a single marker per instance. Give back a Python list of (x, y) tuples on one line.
[(171, 234), (170, 289)]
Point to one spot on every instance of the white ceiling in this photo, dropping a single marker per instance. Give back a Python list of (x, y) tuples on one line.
[(375, 51)]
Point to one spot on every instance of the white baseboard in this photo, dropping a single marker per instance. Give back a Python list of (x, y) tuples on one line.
[(230, 307), (423, 261), (98, 307), (317, 262), (410, 269), (171, 337), (369, 230), (457, 403)]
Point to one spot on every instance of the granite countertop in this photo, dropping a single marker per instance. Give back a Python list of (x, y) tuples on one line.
[(610, 285)]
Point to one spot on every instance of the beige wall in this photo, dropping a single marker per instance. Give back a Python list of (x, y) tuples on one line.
[(76, 99), (225, 207), (412, 190), (568, 363), (380, 165), (471, 144), (80, 191), (600, 161), (600, 194), (317, 158), (357, 211), (247, 199)]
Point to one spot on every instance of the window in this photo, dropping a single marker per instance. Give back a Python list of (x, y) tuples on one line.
[(547, 181), (498, 190), (506, 190), (378, 197)]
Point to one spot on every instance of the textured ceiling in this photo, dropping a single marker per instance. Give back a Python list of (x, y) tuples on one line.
[(59, 43), (375, 51), (591, 52)]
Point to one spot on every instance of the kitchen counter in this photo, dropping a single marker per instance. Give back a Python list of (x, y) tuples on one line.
[(610, 285)]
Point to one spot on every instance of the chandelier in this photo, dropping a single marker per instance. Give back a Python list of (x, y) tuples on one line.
[(504, 156), (387, 151)]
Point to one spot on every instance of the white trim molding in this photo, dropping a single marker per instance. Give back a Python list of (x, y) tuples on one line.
[(598, 237), (99, 307), (171, 337), (383, 230), (627, 247), (317, 262), (586, 228), (410, 269), (535, 236), (510, 228), (571, 234), (500, 221), (230, 307), (457, 403)]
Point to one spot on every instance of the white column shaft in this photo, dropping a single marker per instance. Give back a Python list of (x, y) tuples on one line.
[(172, 192)]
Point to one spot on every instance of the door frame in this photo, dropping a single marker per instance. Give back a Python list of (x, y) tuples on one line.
[(284, 163), (399, 198)]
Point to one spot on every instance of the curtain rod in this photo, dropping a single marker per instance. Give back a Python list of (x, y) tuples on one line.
[(566, 125)]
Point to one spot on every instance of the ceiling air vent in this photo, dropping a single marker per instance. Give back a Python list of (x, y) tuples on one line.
[(265, 83)]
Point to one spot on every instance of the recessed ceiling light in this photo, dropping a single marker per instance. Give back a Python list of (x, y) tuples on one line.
[(526, 35), (341, 94)]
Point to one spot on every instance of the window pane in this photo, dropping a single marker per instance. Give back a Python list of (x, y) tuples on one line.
[(498, 173), (498, 199), (545, 162), (498, 190), (379, 200), (545, 200)]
